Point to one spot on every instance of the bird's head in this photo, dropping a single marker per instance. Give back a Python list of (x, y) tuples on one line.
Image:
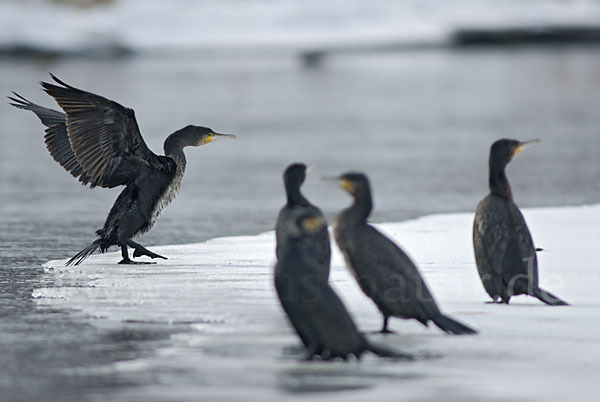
[(354, 183), (198, 135), (191, 136), (295, 174), (502, 151)]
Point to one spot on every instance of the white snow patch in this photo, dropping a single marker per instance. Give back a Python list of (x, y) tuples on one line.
[(239, 342)]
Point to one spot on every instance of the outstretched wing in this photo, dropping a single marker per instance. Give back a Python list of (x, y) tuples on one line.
[(104, 137), (56, 138), (49, 117)]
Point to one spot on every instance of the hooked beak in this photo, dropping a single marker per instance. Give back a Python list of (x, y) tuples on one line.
[(309, 168), (218, 136), (343, 183), (526, 144)]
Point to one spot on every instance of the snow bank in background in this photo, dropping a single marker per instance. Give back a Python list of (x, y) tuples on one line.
[(141, 25), (238, 343)]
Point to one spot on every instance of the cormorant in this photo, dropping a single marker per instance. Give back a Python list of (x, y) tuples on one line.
[(98, 142), (317, 246), (383, 271), (314, 309), (504, 251)]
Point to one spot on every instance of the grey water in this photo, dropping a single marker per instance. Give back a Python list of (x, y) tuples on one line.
[(419, 123)]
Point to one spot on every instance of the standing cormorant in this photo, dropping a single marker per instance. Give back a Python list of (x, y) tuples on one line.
[(314, 309), (383, 271), (317, 246), (504, 251), (98, 142)]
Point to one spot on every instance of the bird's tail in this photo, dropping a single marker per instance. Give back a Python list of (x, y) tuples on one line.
[(548, 297), (83, 254), (451, 326), (389, 353)]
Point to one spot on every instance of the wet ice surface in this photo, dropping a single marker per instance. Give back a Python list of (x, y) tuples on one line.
[(220, 334), (419, 123)]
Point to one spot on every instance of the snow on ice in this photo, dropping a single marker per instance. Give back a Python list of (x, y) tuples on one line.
[(230, 339)]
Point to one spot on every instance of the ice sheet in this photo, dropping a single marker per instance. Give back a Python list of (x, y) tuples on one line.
[(231, 340)]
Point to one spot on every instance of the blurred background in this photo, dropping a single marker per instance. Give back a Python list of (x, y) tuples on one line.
[(412, 92)]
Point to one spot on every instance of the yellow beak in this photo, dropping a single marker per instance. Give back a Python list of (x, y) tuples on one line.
[(526, 144), (346, 184)]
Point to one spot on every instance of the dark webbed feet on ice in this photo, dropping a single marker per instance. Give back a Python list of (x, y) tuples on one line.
[(139, 250)]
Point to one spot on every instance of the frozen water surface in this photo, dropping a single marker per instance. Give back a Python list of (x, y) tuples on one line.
[(220, 334), (204, 325)]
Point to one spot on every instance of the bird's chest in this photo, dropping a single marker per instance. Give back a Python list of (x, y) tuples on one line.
[(343, 234), (166, 195)]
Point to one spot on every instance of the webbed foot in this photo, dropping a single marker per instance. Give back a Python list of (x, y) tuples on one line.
[(139, 250), (144, 251)]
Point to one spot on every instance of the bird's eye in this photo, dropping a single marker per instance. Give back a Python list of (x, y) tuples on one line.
[(211, 134)]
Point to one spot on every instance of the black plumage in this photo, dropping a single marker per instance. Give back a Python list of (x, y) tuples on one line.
[(317, 246), (383, 271), (504, 251), (313, 308), (98, 142)]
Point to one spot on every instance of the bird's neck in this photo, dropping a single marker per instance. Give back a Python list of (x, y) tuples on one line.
[(174, 145), (294, 196), (360, 210), (498, 182)]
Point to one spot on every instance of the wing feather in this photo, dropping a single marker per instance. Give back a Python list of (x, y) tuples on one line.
[(390, 277), (56, 138), (502, 244), (104, 137)]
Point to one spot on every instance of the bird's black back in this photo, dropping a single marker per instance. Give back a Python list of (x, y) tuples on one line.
[(383, 271), (504, 250)]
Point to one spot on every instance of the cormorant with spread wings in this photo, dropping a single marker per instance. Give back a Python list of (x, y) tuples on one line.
[(98, 142)]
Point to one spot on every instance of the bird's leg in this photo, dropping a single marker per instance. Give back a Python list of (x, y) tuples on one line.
[(126, 259), (384, 329), (140, 250)]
